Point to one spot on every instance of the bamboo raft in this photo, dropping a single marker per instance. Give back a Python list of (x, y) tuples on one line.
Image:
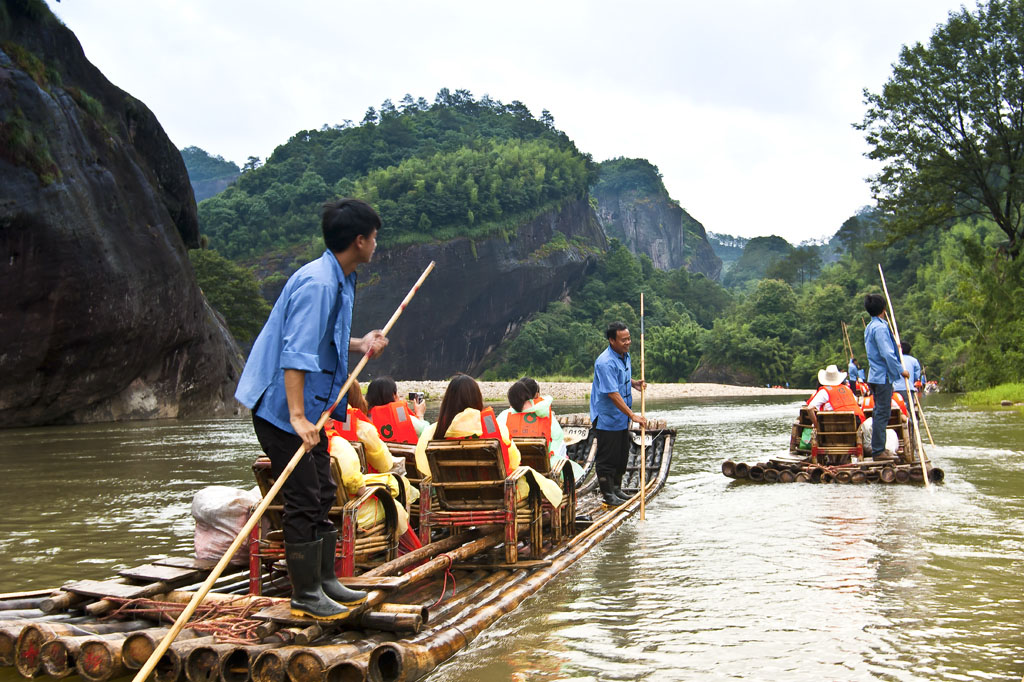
[(410, 623), (834, 453)]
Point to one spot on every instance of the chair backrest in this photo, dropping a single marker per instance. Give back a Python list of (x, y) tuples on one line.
[(804, 419), (341, 497), (896, 417), (265, 481), (837, 430), (467, 474), (407, 452), (533, 452)]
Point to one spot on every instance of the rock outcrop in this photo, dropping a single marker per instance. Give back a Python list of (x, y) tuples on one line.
[(101, 318), (655, 225), (478, 295)]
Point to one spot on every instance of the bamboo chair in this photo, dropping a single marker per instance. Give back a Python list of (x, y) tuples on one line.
[(901, 425), (473, 489), (407, 451), (534, 454), (803, 421), (375, 544), (837, 437)]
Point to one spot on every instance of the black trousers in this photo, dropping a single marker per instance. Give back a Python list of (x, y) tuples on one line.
[(310, 491), (612, 453)]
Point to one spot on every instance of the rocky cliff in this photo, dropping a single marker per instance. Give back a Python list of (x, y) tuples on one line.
[(652, 224), (101, 318), (478, 295)]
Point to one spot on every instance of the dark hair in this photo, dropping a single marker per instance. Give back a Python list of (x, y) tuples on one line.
[(874, 304), (613, 330), (905, 347), (345, 219), (518, 394), (462, 392), (381, 391), (530, 384)]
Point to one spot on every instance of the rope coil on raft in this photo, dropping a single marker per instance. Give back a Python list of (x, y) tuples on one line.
[(444, 586), (230, 624)]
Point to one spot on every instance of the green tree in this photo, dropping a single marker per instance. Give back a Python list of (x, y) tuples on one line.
[(233, 292), (948, 125)]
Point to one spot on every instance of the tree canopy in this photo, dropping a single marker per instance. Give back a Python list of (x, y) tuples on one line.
[(948, 126)]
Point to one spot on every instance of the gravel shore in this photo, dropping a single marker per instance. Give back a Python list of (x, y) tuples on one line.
[(496, 390)]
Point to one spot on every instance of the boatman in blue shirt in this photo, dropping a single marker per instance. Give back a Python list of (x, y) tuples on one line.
[(884, 367), (611, 400), (298, 364), (908, 387), (852, 374)]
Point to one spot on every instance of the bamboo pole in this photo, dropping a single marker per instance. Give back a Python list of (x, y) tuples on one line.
[(643, 415), (846, 339), (913, 413), (243, 534)]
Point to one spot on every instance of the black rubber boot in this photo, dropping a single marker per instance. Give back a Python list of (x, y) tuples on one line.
[(617, 491), (329, 580), (308, 598), (606, 492)]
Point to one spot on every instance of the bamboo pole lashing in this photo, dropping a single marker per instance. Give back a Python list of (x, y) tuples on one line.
[(643, 417), (254, 518)]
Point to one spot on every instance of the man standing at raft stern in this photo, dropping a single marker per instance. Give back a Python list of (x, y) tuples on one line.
[(884, 367), (298, 364), (611, 400)]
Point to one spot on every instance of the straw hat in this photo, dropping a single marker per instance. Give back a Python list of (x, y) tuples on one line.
[(831, 376)]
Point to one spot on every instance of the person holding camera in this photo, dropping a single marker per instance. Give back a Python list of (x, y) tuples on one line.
[(395, 421)]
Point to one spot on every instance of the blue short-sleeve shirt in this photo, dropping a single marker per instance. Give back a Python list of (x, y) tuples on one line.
[(613, 373), (308, 330), (881, 351)]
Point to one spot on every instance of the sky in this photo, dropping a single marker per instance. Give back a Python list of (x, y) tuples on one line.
[(746, 106)]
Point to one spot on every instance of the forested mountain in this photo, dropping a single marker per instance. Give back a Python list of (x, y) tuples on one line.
[(457, 168), (635, 208), (208, 174), (728, 248)]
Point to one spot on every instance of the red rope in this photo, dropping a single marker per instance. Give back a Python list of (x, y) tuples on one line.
[(444, 587)]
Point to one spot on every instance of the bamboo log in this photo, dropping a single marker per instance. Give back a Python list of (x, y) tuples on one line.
[(729, 468), (771, 475), (28, 647), (352, 670), (171, 665), (902, 474), (756, 473), (21, 604), (139, 646), (742, 470), (391, 622), (312, 664), (887, 475), (60, 655), (420, 609), (786, 476), (235, 666), (395, 566), (803, 477), (936, 475), (100, 660)]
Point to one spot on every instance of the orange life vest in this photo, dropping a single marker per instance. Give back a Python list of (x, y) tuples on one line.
[(869, 403), (346, 429), (394, 422), (489, 429), (842, 399), (529, 425)]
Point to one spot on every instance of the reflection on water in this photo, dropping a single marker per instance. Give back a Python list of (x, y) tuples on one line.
[(725, 580)]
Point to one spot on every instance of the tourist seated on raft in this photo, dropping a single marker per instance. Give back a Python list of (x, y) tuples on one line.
[(530, 416), (383, 469), (834, 395), (395, 422), (463, 415)]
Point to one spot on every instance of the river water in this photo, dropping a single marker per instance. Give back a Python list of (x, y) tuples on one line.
[(724, 580)]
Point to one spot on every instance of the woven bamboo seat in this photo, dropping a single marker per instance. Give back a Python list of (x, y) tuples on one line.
[(835, 438), (472, 488), (374, 544), (534, 454)]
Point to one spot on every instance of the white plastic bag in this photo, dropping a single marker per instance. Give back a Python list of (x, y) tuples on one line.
[(220, 512)]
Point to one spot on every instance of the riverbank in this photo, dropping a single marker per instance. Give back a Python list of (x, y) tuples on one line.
[(563, 390), (1003, 394)]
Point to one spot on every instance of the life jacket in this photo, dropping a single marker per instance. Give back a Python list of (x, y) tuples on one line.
[(898, 399), (529, 425), (489, 429), (869, 403), (842, 399), (348, 428), (394, 422)]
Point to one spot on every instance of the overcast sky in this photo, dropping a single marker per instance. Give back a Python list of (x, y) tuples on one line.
[(745, 106)]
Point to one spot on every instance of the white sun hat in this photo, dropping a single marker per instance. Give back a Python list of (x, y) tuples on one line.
[(831, 376)]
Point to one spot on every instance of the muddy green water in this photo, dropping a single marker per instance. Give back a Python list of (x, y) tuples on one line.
[(725, 580)]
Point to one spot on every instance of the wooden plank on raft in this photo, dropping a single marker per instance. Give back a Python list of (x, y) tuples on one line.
[(187, 562), (384, 582), (153, 573), (108, 588)]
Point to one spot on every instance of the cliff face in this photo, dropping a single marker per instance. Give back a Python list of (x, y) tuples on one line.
[(101, 318), (657, 226), (478, 294)]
